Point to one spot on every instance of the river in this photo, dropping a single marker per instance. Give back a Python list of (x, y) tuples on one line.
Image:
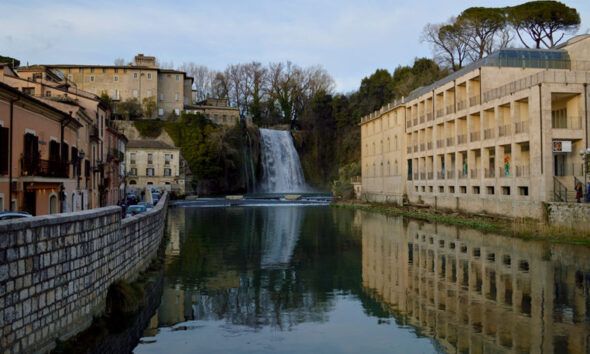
[(315, 279)]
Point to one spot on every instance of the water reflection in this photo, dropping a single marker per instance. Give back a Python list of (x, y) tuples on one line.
[(479, 293), (279, 236)]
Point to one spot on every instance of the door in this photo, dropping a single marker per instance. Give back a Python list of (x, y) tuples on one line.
[(559, 164), (30, 202)]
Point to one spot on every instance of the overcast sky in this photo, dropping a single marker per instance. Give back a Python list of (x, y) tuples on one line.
[(351, 39)]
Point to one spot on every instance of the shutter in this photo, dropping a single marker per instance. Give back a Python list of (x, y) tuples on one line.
[(4, 151)]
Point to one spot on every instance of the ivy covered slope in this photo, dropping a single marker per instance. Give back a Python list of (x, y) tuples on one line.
[(215, 154)]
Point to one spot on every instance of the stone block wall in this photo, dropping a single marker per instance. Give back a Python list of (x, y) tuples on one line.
[(574, 215), (55, 270)]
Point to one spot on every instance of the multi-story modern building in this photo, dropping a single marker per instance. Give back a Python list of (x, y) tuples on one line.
[(154, 163), (217, 110), (501, 136), (170, 90)]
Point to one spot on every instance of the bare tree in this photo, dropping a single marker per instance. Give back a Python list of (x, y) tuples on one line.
[(203, 79), (449, 43), (119, 61)]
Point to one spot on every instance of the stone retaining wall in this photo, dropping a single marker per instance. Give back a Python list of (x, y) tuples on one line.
[(575, 215), (55, 270)]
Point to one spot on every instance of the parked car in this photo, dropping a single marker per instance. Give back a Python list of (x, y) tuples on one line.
[(132, 198), (147, 205), (135, 209), (9, 215), (155, 197)]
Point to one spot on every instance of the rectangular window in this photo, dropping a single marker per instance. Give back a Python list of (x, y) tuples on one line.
[(4, 136), (91, 70), (177, 77), (176, 96), (475, 189), (160, 112), (490, 190), (161, 97), (523, 190), (135, 75), (29, 90), (167, 159), (167, 172), (116, 78), (133, 172), (47, 93), (505, 190), (132, 158), (91, 78), (149, 76), (150, 159), (104, 70), (149, 172)]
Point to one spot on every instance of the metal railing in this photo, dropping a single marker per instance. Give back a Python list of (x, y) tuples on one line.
[(44, 168), (422, 118), (474, 173), (428, 116), (450, 141), (504, 172), (474, 136), (559, 191), (461, 174), (504, 130), (422, 147), (473, 101), (488, 133), (489, 173), (440, 175), (429, 145), (523, 171), (440, 143), (450, 174), (430, 175), (440, 113), (461, 105), (450, 109), (521, 127), (570, 122), (462, 139)]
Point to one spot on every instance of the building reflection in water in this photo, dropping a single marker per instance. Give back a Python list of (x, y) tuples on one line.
[(479, 293), (264, 292)]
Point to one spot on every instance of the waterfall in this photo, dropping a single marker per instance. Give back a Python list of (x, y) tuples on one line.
[(281, 167)]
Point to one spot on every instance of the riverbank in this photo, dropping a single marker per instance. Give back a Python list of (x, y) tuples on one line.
[(527, 229)]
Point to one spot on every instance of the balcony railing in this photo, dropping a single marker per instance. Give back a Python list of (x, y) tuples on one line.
[(409, 149), (415, 121), (428, 116), (570, 122), (422, 175), (44, 168), (422, 118), (489, 173), (440, 113), (461, 174), (440, 175), (450, 141), (521, 127), (422, 147), (440, 143), (523, 171), (474, 173), (408, 123), (488, 133), (473, 101), (450, 174), (504, 130), (450, 109), (416, 175), (461, 105), (462, 139), (430, 175), (416, 148), (429, 145), (474, 136)]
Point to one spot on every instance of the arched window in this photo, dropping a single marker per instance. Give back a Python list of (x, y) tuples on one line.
[(396, 146), (381, 146), (53, 206), (381, 170), (388, 168), (395, 170), (388, 144), (133, 181), (374, 170)]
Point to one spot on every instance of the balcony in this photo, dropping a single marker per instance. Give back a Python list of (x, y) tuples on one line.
[(429, 145), (489, 173), (450, 141), (422, 119), (473, 101), (462, 174), (440, 175), (440, 143), (504, 130), (450, 174), (430, 175), (488, 133), (415, 147), (422, 175), (416, 176), (93, 131), (409, 123), (521, 127), (422, 147), (474, 136), (462, 139), (474, 173), (116, 155), (523, 171), (409, 149), (440, 113), (44, 168), (450, 109), (428, 116)]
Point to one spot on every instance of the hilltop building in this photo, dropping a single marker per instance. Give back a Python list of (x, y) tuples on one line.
[(501, 136), (217, 110), (169, 89)]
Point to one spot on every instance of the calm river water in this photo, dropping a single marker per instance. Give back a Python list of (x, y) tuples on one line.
[(293, 279)]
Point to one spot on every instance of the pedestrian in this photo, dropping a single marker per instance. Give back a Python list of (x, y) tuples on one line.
[(579, 192)]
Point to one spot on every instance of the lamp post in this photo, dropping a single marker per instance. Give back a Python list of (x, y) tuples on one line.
[(585, 155)]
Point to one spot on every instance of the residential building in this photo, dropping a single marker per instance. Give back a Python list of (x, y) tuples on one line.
[(169, 89), (153, 163), (217, 110), (40, 155), (500, 136)]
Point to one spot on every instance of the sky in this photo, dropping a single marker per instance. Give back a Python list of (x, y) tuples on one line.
[(350, 39)]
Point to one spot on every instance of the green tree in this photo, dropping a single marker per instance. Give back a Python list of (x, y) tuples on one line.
[(485, 30), (545, 22), (149, 106), (14, 63), (130, 109), (449, 42)]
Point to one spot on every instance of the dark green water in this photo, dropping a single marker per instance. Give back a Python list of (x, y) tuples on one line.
[(293, 279)]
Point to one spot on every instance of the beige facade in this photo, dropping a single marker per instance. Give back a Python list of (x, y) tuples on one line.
[(217, 110), (486, 138), (141, 80), (475, 292), (154, 163)]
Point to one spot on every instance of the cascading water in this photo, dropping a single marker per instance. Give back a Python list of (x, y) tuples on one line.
[(281, 169)]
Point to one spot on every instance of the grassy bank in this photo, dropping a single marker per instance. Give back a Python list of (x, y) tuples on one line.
[(527, 229)]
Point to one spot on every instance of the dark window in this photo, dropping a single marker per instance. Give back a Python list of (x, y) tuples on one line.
[(4, 150)]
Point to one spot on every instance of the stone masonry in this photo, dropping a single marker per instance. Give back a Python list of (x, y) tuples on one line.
[(55, 270)]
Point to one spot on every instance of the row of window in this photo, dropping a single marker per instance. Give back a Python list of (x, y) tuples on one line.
[(136, 74), (150, 158), (489, 190), (150, 172)]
